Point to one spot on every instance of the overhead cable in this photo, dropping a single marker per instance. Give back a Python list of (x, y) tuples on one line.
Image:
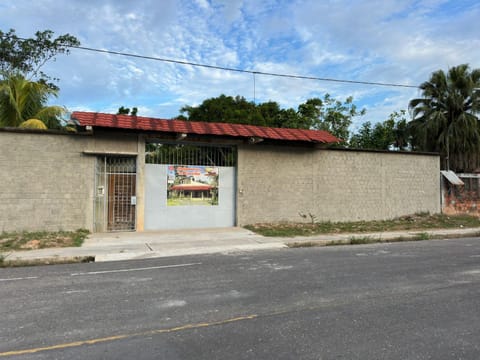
[(254, 72)]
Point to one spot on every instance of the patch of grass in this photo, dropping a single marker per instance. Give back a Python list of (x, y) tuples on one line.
[(422, 236), (52, 261), (420, 221), (303, 244), (363, 240), (14, 241)]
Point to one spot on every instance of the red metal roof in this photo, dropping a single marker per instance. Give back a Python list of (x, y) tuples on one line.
[(191, 187), (201, 128)]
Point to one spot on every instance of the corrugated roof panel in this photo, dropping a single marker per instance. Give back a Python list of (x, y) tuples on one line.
[(451, 177)]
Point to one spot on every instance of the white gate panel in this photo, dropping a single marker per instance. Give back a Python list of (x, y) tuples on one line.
[(160, 216)]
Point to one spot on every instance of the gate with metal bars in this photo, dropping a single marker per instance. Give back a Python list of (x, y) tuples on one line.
[(115, 200), (168, 154)]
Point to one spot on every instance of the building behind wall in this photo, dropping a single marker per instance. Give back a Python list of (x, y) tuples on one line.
[(103, 178), (460, 193)]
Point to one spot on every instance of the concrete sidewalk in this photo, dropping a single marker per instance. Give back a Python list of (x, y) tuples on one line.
[(143, 245)]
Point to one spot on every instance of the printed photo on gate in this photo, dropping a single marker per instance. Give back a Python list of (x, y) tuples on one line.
[(192, 185)]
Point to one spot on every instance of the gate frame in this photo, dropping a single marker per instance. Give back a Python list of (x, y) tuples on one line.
[(101, 198)]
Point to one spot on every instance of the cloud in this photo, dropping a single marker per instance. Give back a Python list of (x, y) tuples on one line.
[(394, 41)]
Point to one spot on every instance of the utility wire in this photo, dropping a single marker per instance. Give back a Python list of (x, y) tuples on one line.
[(242, 70), (237, 70)]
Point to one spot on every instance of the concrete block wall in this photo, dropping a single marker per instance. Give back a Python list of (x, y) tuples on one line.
[(278, 183), (47, 180)]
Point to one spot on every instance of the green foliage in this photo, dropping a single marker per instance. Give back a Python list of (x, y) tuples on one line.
[(410, 222), (126, 111), (322, 114), (388, 135), (360, 240), (33, 124), (445, 118), (41, 239), (422, 236), (331, 115), (226, 109), (27, 56), (21, 99)]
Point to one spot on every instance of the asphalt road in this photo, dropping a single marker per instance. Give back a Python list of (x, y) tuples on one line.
[(415, 300)]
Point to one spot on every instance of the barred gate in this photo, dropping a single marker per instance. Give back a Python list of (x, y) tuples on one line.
[(115, 184), (176, 154)]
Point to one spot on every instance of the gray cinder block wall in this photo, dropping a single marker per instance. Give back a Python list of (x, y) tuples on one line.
[(47, 180), (278, 183)]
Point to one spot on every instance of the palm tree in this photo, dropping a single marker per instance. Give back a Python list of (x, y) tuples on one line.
[(445, 119), (21, 100)]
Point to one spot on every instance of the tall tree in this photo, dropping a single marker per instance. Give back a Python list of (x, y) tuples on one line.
[(27, 56), (323, 114), (226, 109), (445, 118), (330, 114), (21, 100), (390, 134)]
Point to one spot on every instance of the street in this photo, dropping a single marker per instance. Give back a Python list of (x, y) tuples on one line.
[(412, 300)]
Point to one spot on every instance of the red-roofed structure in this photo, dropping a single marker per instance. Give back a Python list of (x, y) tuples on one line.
[(139, 123)]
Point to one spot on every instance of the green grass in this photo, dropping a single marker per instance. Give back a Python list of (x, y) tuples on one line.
[(14, 241), (420, 221), (52, 261)]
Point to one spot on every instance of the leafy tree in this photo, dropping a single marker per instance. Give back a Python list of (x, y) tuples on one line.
[(445, 118), (126, 111), (330, 114), (388, 135), (401, 131), (225, 109), (27, 56), (326, 114), (21, 100), (363, 139)]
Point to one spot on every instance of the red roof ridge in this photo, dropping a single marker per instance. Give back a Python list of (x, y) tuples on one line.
[(134, 122)]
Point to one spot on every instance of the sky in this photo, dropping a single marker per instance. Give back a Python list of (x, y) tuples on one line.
[(389, 41)]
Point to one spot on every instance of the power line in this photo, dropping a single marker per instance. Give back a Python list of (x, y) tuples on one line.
[(253, 72), (242, 70)]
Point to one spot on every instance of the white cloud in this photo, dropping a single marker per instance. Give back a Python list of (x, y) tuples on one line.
[(394, 41)]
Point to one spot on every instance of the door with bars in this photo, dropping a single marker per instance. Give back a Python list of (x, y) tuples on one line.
[(115, 194)]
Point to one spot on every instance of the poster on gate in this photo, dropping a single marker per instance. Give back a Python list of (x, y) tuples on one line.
[(192, 185)]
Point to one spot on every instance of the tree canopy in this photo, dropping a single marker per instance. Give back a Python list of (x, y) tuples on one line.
[(322, 114), (391, 134), (445, 118), (27, 56), (22, 100), (24, 88)]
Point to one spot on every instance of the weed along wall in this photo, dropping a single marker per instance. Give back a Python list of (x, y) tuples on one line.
[(282, 183)]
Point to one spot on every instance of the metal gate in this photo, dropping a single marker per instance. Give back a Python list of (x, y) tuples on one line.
[(189, 186), (115, 198)]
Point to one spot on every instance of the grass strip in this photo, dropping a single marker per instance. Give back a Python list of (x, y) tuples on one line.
[(405, 223)]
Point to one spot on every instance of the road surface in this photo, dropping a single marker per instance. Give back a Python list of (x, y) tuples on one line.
[(413, 300)]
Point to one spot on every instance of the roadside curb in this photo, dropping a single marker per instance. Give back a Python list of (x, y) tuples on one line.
[(188, 244), (375, 238)]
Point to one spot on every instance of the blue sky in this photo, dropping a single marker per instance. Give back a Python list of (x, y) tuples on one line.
[(380, 41)]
